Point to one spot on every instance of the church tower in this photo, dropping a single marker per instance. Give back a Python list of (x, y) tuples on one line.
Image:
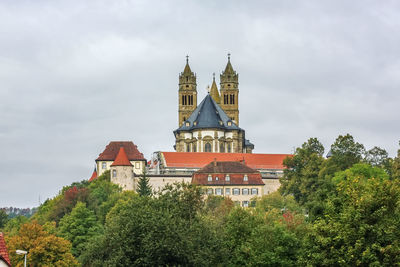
[(229, 81), (214, 91), (187, 93)]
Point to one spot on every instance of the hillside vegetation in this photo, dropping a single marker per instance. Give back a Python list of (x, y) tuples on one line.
[(343, 210)]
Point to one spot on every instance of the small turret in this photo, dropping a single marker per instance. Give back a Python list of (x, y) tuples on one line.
[(214, 91)]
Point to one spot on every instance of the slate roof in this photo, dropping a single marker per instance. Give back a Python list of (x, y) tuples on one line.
[(3, 250), (121, 159), (218, 171), (112, 149), (208, 114), (226, 167), (201, 159)]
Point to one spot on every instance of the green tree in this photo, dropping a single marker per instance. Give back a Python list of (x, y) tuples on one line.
[(144, 187), (377, 156), (3, 218), (78, 227), (43, 249), (166, 230), (360, 226), (395, 170), (302, 176)]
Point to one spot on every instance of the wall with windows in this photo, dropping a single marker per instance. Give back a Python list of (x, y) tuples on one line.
[(271, 185), (103, 166), (123, 176), (240, 194)]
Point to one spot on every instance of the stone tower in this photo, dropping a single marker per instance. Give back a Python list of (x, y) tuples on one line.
[(229, 81), (187, 93)]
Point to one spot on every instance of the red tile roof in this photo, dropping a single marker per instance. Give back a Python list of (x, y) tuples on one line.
[(94, 175), (200, 159), (121, 159), (112, 149), (218, 171), (3, 250)]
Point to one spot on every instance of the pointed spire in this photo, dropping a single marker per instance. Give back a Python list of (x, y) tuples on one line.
[(187, 69), (94, 174), (121, 159), (229, 68), (214, 91)]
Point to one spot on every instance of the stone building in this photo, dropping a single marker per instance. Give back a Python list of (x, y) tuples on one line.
[(107, 157), (122, 171), (213, 125), (230, 179)]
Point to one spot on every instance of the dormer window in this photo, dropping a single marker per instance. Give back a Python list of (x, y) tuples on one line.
[(227, 178), (195, 123), (221, 123), (209, 178), (187, 124), (245, 178), (229, 123)]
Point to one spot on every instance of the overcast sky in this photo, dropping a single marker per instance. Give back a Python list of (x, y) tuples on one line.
[(75, 75)]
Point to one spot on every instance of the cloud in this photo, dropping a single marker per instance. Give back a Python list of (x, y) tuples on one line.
[(78, 74)]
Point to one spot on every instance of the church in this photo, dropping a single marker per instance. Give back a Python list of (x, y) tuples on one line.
[(211, 150), (213, 125)]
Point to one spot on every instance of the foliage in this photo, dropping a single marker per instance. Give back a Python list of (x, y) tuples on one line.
[(12, 226), (144, 187), (361, 224), (43, 249), (3, 218), (395, 169), (79, 226), (156, 231)]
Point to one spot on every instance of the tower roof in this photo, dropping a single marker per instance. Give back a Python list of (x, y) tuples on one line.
[(3, 250), (214, 91), (208, 114), (187, 69), (121, 159), (94, 175), (112, 149), (229, 68)]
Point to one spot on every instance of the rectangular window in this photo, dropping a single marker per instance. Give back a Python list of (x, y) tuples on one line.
[(210, 191), (245, 203), (245, 191), (218, 191), (237, 203), (194, 147), (227, 191), (137, 165), (254, 191), (103, 165), (236, 191)]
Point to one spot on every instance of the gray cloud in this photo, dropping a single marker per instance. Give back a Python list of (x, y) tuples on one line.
[(77, 74)]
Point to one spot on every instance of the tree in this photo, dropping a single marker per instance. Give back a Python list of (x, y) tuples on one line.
[(144, 188), (360, 226), (301, 177), (395, 170), (376, 156), (43, 249), (3, 218), (78, 227), (166, 230)]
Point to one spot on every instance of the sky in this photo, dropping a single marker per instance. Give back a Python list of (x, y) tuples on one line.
[(75, 75)]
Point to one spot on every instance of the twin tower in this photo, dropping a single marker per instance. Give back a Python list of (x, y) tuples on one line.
[(213, 125), (228, 100)]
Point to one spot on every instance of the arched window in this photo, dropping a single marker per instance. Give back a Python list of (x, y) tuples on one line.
[(221, 148), (194, 147), (229, 148), (187, 147), (207, 147)]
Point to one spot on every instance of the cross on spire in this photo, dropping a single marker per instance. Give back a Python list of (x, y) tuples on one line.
[(214, 76), (187, 58), (229, 56)]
